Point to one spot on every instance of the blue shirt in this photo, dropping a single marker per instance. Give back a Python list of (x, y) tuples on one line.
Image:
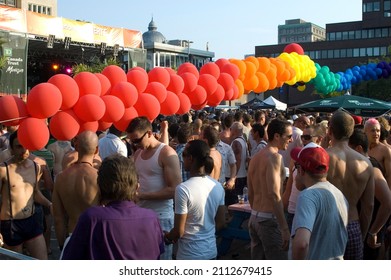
[(120, 230)]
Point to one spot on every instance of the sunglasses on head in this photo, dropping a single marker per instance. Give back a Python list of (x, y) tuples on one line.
[(138, 140)]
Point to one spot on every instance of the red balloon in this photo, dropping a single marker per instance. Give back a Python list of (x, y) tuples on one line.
[(68, 88), (190, 82), (208, 82), (197, 96), (185, 104), (170, 71), (187, 67), (44, 100), (215, 98), (176, 84), (236, 92), (129, 115), (171, 105), (293, 47), (158, 90), (159, 74), (147, 105), (88, 83), (90, 108), (231, 69), (12, 108), (221, 62), (92, 126), (139, 69), (33, 133), (64, 125), (210, 68), (226, 81), (229, 94), (138, 78), (115, 74), (104, 125), (115, 108), (199, 107), (126, 92), (104, 83)]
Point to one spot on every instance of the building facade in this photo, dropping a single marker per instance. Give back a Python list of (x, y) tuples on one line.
[(347, 44), (47, 7), (300, 31), (171, 53)]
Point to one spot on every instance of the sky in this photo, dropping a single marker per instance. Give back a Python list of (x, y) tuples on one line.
[(231, 28)]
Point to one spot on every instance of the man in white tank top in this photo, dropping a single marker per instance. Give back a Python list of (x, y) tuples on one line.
[(158, 170)]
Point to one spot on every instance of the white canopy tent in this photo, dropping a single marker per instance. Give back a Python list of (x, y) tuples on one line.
[(274, 102)]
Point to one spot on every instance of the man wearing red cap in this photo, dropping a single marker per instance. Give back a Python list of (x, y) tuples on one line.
[(319, 226)]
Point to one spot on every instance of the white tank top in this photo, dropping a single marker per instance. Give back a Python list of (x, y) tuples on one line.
[(151, 179)]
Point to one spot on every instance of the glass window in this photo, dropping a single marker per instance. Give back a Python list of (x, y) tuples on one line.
[(376, 6), (330, 54), (384, 32), (337, 54), (377, 33), (39, 9), (345, 35), (343, 53), (364, 34), (369, 52), (358, 34), (11, 3), (44, 10), (376, 51), (34, 8), (323, 54), (338, 35), (387, 5), (384, 51), (371, 33), (351, 35), (349, 53), (356, 52), (49, 11), (363, 52), (29, 6), (332, 36)]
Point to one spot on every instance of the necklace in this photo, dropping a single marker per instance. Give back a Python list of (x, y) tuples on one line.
[(86, 162)]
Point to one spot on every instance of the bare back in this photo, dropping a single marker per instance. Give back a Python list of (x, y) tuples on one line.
[(59, 149), (262, 179), (217, 163), (75, 190), (352, 173)]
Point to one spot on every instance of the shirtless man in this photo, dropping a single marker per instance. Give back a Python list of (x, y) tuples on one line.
[(71, 157), (19, 189), (59, 149), (378, 150), (352, 173), (211, 136), (158, 169), (76, 189), (268, 228)]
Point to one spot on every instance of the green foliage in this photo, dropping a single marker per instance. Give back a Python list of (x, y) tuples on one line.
[(95, 66)]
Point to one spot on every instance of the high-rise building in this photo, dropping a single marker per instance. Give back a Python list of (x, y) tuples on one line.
[(300, 31), (347, 44), (47, 7)]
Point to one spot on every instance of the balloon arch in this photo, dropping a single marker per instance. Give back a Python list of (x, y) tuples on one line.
[(95, 101)]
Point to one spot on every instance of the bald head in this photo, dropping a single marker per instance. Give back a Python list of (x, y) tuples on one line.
[(87, 143)]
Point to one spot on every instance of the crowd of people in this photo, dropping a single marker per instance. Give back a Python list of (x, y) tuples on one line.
[(319, 187)]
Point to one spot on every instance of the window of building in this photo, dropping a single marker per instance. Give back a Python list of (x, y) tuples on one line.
[(323, 54), (371, 33), (357, 34), (29, 7), (384, 32), (363, 52), (49, 12), (364, 34), (332, 36), (337, 53), (11, 3), (338, 35), (330, 54), (376, 6), (384, 51), (39, 9), (345, 35), (349, 53), (356, 52), (387, 5), (369, 51), (34, 8), (343, 53), (376, 51), (44, 10), (351, 35)]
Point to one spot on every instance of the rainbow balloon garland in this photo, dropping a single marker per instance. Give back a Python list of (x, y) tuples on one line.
[(64, 106)]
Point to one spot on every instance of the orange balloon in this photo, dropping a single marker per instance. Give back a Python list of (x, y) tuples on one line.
[(253, 60), (250, 69), (241, 65), (264, 64), (250, 83), (240, 86), (263, 84)]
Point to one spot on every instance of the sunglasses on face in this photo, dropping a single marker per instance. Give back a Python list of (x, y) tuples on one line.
[(138, 140)]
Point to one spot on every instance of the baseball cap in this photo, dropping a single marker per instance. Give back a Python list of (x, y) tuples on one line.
[(312, 158), (295, 117)]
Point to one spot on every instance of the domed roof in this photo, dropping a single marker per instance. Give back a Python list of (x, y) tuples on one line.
[(152, 35)]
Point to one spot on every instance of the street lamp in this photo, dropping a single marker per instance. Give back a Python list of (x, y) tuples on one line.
[(188, 49)]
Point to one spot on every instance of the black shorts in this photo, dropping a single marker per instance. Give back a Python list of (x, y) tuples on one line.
[(16, 232)]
